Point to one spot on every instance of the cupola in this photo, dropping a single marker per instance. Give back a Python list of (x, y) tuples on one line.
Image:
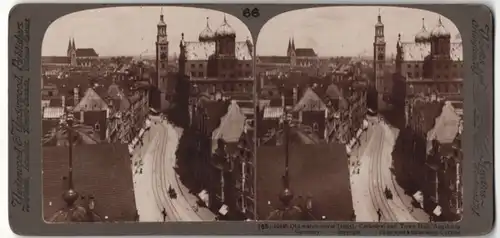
[(423, 35), (225, 30), (207, 34), (439, 30)]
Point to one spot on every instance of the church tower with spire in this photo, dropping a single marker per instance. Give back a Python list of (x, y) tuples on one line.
[(291, 51), (379, 51), (71, 52), (162, 61)]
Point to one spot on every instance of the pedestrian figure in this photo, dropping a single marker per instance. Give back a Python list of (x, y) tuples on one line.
[(164, 213), (379, 214), (141, 171)]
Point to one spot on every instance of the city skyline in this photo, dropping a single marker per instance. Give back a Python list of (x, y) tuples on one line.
[(114, 31), (308, 28), (305, 26)]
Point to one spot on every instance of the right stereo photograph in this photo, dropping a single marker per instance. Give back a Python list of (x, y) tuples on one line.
[(359, 116)]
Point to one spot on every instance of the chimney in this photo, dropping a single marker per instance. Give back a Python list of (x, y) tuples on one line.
[(76, 95), (63, 101), (295, 95)]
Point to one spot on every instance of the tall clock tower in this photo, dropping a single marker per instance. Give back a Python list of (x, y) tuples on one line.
[(162, 61), (379, 62)]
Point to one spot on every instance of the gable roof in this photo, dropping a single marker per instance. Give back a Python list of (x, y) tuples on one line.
[(86, 52), (446, 126), (310, 101), (55, 60), (91, 101), (203, 50), (232, 125), (101, 170), (199, 50), (305, 52), (273, 60), (243, 50), (418, 51)]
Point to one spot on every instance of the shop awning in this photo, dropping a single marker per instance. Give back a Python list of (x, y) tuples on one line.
[(224, 210), (348, 149), (141, 133), (437, 211), (203, 195), (419, 197), (365, 124), (130, 149), (358, 133)]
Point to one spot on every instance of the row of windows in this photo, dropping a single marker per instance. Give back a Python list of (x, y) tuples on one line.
[(446, 76), (438, 66), (238, 74)]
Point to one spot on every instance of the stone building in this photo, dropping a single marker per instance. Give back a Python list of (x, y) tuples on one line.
[(433, 63)]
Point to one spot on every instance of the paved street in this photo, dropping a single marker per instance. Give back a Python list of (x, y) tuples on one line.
[(374, 170), (156, 160)]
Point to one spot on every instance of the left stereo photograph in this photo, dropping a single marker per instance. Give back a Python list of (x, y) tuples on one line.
[(147, 116)]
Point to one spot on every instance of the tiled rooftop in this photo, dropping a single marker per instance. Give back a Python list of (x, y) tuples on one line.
[(418, 51), (53, 112), (203, 50), (101, 170), (317, 170)]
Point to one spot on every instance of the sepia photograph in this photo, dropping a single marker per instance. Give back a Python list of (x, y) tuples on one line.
[(147, 116), (359, 116)]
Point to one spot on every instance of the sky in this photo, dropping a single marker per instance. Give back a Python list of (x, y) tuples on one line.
[(131, 31), (331, 31), (344, 31)]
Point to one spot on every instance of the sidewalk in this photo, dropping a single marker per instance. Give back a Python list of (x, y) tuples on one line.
[(358, 150), (361, 198), (145, 200)]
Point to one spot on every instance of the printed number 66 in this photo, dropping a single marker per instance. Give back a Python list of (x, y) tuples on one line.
[(251, 13)]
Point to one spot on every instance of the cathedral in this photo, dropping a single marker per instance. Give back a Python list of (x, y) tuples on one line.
[(84, 57), (75, 57)]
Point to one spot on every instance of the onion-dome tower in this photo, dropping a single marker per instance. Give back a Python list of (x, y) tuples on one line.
[(207, 34), (423, 35), (440, 41), (439, 30), (225, 30)]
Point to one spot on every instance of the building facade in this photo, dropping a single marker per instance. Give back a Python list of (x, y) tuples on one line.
[(432, 64)]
